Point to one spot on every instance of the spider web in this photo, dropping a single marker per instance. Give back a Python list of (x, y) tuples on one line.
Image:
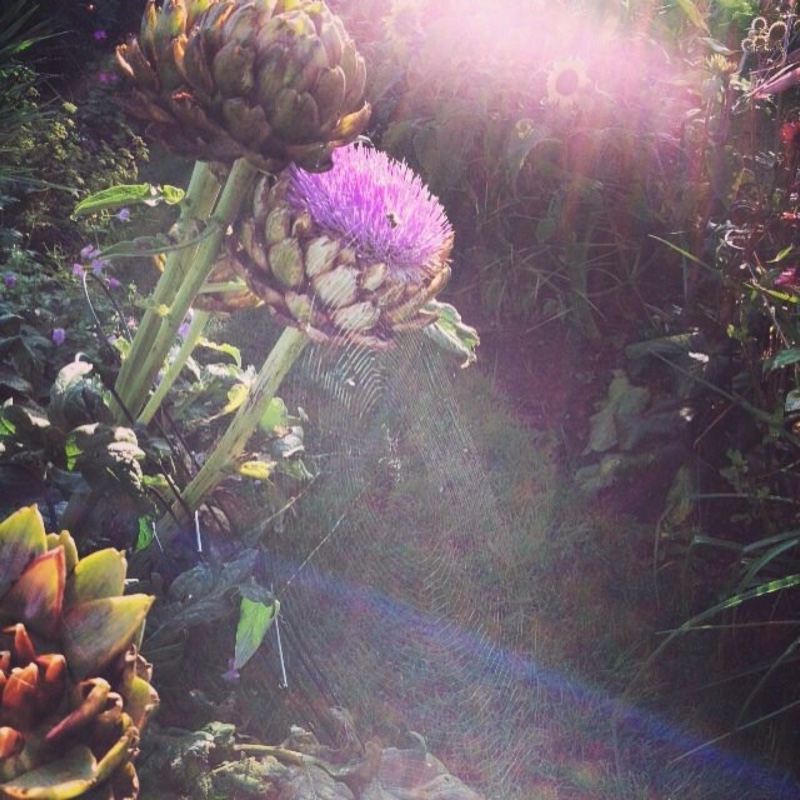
[(390, 574)]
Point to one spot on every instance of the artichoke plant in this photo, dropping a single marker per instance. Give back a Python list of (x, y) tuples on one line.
[(349, 255), (74, 692), (270, 80)]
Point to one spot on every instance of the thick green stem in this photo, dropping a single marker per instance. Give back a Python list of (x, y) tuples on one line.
[(239, 181), (201, 194), (233, 441), (193, 335)]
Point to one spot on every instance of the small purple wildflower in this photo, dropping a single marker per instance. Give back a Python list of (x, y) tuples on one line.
[(788, 277), (106, 77), (58, 336), (379, 206), (99, 35), (123, 215), (232, 674), (113, 283), (98, 264), (89, 252), (183, 330), (77, 269), (10, 279)]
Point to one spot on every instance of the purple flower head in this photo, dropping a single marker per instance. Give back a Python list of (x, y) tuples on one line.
[(99, 35), (9, 279), (379, 207), (77, 269), (58, 336), (123, 215), (788, 277), (113, 283)]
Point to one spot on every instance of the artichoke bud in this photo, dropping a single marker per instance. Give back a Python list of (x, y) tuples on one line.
[(66, 730), (286, 263)]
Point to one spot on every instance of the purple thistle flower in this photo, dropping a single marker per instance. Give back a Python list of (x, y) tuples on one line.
[(10, 279), (378, 206), (58, 336)]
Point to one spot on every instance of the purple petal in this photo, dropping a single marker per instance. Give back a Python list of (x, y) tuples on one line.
[(59, 335)]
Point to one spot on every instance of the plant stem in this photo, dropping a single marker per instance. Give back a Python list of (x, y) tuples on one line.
[(201, 194), (193, 335), (233, 441), (188, 285)]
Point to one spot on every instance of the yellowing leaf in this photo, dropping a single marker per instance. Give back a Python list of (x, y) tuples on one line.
[(258, 470), (237, 394)]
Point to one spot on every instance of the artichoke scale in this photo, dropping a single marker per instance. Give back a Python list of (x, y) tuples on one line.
[(100, 574), (22, 538), (36, 598), (232, 70)]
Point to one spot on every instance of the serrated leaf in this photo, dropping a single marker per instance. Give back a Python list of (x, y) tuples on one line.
[(255, 619), (128, 194)]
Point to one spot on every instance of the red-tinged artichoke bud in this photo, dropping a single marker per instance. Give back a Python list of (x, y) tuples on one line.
[(270, 80), (74, 692), (348, 255)]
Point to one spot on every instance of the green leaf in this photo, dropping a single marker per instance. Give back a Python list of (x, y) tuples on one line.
[(276, 415), (783, 358), (450, 333), (145, 535), (61, 779), (255, 619), (126, 195), (782, 254)]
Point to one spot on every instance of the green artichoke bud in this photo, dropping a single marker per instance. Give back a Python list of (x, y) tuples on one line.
[(274, 81), (352, 254), (74, 692)]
